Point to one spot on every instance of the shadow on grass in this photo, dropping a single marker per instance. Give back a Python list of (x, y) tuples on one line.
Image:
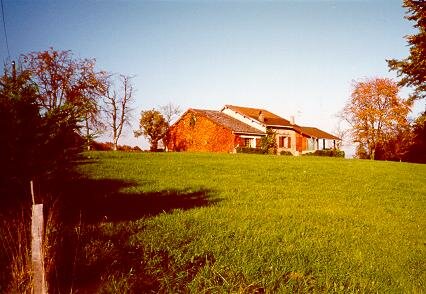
[(99, 218), (94, 201)]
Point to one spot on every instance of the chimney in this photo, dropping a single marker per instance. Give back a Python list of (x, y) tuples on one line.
[(292, 119), (261, 117)]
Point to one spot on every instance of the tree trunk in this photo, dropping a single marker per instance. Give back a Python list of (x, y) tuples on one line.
[(154, 146), (115, 144), (87, 133), (372, 154)]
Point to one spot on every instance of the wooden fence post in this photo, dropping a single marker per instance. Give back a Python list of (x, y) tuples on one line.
[(37, 256)]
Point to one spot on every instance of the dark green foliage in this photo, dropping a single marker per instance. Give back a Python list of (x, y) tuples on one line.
[(249, 150), (328, 153), (269, 142), (412, 69), (417, 149), (287, 153), (34, 144)]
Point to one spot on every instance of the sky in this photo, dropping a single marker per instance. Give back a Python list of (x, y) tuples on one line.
[(293, 58)]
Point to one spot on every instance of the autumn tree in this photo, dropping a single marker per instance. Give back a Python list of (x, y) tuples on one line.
[(117, 105), (376, 113), (93, 123), (66, 84), (412, 69), (153, 126)]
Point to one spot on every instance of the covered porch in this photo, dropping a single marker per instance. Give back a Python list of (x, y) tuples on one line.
[(317, 139)]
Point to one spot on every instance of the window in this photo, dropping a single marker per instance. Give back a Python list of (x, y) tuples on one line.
[(281, 142), (289, 142), (247, 142), (258, 143)]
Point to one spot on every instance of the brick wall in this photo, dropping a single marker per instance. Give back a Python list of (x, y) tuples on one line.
[(195, 132)]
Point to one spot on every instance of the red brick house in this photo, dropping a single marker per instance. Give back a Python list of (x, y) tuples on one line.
[(235, 126), (210, 130)]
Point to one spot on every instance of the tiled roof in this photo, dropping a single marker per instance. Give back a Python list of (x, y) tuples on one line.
[(270, 119), (227, 121), (317, 133)]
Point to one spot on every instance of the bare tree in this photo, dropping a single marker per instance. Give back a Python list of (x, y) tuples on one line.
[(117, 105), (342, 133), (170, 112)]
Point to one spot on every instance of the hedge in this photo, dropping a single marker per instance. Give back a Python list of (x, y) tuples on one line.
[(327, 152)]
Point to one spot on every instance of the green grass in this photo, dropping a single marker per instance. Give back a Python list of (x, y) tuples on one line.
[(203, 223)]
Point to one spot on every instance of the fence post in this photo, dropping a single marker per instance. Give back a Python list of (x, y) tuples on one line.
[(37, 256)]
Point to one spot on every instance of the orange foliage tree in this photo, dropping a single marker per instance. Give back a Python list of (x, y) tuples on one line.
[(153, 126), (67, 85), (376, 114)]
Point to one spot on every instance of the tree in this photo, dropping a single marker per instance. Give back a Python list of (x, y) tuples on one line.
[(34, 143), (416, 151), (153, 126), (169, 112), (342, 133), (93, 124), (375, 113), (269, 142), (117, 105), (412, 69), (67, 84)]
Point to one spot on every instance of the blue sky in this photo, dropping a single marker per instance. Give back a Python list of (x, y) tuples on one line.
[(290, 57)]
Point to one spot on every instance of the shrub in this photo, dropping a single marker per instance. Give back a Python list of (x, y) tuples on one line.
[(36, 144), (109, 146), (327, 152), (284, 152), (269, 142), (249, 150), (100, 146)]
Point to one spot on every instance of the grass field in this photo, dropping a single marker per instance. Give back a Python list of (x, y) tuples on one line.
[(208, 223)]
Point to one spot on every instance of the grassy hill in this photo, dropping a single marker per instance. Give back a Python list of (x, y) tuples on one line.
[(202, 223)]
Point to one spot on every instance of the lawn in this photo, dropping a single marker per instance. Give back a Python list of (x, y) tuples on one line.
[(208, 223)]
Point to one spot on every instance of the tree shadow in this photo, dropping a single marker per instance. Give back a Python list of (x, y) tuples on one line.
[(98, 218), (94, 201)]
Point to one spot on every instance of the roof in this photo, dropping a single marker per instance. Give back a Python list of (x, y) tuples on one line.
[(227, 121), (317, 133), (270, 119)]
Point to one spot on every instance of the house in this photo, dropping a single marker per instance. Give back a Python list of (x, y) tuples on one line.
[(210, 130), (236, 126)]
